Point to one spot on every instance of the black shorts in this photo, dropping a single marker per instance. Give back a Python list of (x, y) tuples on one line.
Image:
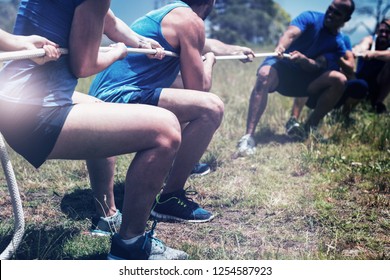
[(31, 130), (293, 81)]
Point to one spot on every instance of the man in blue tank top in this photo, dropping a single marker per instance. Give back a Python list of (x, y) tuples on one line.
[(309, 35), (178, 27)]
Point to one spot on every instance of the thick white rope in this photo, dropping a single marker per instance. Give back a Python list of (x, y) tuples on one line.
[(16, 55), (16, 203)]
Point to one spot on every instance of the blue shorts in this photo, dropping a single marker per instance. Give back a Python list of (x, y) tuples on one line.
[(127, 94), (293, 81), (31, 130)]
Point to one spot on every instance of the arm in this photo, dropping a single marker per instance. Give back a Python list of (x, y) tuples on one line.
[(219, 48), (290, 35), (85, 38), (118, 31), (347, 64), (195, 73), (364, 45), (308, 64), (10, 42), (379, 55)]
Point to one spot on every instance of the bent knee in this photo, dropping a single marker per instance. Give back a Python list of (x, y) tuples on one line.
[(266, 79), (338, 78), (169, 136), (214, 110)]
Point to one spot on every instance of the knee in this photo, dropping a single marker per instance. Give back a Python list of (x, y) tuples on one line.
[(338, 79), (215, 110), (169, 136), (264, 81)]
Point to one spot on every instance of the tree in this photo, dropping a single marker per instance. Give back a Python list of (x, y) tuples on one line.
[(247, 21), (369, 8)]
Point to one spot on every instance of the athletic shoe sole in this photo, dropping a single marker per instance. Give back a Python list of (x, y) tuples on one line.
[(169, 218)]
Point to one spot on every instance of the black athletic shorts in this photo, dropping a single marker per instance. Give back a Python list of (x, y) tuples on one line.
[(32, 130)]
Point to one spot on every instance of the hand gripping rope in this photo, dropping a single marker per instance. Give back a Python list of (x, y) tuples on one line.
[(16, 55), (6, 163)]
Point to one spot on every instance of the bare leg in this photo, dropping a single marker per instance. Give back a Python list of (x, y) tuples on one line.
[(102, 130), (331, 85), (267, 80), (299, 103), (202, 113)]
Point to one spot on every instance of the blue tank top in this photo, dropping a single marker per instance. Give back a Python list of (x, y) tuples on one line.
[(51, 84), (48, 18), (137, 72)]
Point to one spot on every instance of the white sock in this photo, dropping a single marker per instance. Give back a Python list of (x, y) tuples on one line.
[(132, 240)]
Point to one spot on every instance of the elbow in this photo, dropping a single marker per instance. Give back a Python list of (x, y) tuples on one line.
[(207, 85), (81, 71)]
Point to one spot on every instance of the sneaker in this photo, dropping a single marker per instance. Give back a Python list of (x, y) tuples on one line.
[(200, 169), (105, 226), (146, 247), (295, 130), (246, 145), (177, 207)]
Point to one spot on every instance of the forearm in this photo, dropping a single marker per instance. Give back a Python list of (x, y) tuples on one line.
[(10, 42), (219, 48), (311, 65), (287, 39), (381, 55), (208, 74), (118, 31)]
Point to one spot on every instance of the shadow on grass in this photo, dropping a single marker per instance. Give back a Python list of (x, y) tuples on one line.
[(267, 135), (48, 244), (79, 204)]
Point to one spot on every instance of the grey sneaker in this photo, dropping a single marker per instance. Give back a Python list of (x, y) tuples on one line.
[(105, 226), (146, 247), (246, 145)]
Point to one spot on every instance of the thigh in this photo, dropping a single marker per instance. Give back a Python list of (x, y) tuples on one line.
[(96, 130), (293, 81), (188, 105)]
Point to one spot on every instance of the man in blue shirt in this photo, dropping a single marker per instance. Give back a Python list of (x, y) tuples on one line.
[(355, 90), (309, 36)]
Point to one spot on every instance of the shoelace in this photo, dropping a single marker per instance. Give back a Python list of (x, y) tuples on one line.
[(149, 235)]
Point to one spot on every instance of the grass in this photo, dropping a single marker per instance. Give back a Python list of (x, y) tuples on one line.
[(290, 201)]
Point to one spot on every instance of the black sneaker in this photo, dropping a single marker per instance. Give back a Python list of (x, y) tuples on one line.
[(295, 130), (177, 207), (146, 247)]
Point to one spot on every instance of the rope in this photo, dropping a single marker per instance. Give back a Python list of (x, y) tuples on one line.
[(16, 55), (16, 203)]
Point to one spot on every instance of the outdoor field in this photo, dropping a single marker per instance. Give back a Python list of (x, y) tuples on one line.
[(291, 200)]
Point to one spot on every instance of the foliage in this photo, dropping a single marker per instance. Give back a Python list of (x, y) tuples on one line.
[(8, 14), (248, 21), (368, 8)]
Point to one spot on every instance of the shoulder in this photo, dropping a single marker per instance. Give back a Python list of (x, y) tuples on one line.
[(308, 18), (186, 23)]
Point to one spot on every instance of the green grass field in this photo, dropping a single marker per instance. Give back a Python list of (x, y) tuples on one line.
[(290, 201)]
